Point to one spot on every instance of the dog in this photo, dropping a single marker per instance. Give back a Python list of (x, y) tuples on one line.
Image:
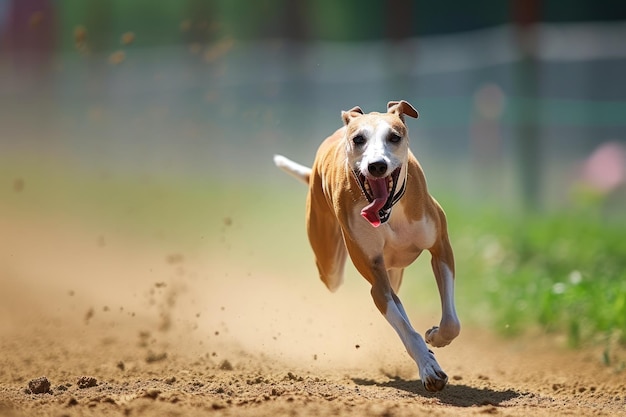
[(368, 199)]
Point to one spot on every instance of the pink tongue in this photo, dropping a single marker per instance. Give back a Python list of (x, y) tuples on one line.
[(380, 193)]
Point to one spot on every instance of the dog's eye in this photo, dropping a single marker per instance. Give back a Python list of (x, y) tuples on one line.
[(393, 138), (358, 140)]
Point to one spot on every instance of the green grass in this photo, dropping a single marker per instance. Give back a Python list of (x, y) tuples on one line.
[(563, 272)]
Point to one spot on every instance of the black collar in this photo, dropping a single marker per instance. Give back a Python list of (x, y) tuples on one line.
[(385, 212)]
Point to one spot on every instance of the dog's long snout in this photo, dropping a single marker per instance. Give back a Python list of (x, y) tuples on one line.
[(377, 168)]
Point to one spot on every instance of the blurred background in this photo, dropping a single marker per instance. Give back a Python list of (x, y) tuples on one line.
[(514, 95), (162, 117)]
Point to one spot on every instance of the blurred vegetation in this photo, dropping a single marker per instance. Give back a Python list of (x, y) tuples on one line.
[(307, 19), (564, 272)]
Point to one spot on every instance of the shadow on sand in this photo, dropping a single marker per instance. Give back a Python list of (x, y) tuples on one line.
[(456, 395)]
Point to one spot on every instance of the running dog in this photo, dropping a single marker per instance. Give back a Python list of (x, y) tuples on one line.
[(368, 199)]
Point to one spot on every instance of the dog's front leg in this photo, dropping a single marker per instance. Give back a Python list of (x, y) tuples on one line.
[(431, 374), (443, 267)]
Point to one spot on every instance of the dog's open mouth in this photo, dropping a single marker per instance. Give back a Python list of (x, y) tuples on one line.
[(381, 195)]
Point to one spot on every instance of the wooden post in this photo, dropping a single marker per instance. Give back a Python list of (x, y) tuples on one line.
[(527, 138)]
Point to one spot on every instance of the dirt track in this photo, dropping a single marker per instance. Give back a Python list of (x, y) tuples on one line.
[(128, 329)]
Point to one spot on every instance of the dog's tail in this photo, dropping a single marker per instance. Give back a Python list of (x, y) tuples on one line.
[(299, 172)]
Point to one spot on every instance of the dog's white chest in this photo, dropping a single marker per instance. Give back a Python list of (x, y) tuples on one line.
[(404, 240), (400, 240)]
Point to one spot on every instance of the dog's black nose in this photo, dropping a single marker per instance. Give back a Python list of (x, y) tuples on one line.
[(378, 168)]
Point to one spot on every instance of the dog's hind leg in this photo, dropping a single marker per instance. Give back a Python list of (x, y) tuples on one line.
[(330, 257), (326, 239)]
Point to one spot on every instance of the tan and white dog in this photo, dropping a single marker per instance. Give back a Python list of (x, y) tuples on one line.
[(368, 198)]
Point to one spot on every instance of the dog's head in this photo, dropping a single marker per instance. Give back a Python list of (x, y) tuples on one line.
[(377, 149)]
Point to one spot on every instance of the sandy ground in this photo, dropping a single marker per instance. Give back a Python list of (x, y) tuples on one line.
[(91, 324)]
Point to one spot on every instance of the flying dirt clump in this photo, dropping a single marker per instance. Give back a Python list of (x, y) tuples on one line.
[(175, 258), (226, 365), (152, 357), (128, 38), (18, 185)]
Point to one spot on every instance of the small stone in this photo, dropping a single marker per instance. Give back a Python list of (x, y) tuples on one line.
[(217, 406), (86, 382), (39, 385), (151, 393)]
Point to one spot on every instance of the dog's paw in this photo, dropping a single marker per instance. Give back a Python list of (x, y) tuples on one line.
[(433, 377), (434, 338), (436, 382)]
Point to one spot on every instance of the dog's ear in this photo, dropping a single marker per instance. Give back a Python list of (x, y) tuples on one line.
[(351, 114), (401, 108)]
